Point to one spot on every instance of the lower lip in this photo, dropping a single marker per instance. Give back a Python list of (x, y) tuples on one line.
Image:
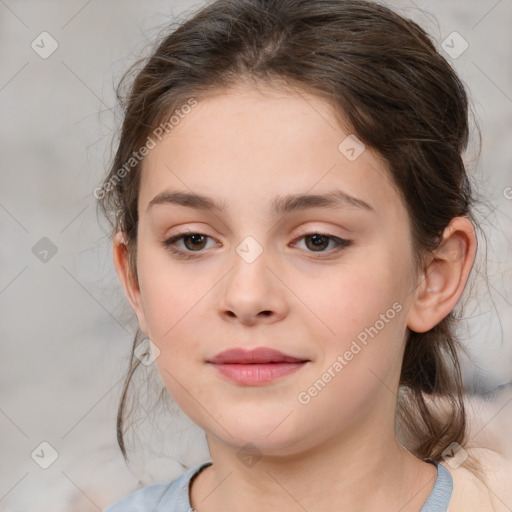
[(255, 374)]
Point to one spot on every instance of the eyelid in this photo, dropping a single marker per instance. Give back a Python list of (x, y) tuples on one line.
[(341, 243), (170, 240)]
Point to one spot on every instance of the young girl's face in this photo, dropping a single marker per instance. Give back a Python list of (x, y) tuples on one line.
[(256, 275)]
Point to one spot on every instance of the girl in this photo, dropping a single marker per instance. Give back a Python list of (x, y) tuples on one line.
[(292, 225)]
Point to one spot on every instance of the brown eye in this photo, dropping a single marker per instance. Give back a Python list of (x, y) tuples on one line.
[(318, 242), (197, 241), (192, 243)]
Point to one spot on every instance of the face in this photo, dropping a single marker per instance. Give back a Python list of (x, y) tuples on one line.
[(329, 284)]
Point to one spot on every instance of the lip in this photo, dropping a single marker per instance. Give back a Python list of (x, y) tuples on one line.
[(255, 367), (257, 355)]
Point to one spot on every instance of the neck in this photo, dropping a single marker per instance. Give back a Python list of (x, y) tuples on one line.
[(341, 475)]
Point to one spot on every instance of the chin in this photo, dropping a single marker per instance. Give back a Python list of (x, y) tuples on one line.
[(261, 437)]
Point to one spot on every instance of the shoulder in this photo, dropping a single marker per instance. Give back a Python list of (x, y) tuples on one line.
[(141, 500), (490, 444), (470, 493), (159, 497)]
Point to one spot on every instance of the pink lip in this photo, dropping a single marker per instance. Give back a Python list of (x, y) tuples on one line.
[(257, 355), (254, 367)]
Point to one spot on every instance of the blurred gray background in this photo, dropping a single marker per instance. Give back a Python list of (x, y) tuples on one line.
[(66, 329)]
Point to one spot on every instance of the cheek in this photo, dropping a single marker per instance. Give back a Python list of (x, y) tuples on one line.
[(170, 298), (363, 311), (358, 361), (172, 304), (354, 298)]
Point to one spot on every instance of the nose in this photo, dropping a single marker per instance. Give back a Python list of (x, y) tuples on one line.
[(253, 293)]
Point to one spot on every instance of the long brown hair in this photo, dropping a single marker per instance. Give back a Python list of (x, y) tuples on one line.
[(382, 74)]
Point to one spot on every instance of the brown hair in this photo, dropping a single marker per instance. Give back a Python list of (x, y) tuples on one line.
[(384, 77)]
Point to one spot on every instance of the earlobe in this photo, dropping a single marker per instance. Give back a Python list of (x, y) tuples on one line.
[(444, 277), (128, 282)]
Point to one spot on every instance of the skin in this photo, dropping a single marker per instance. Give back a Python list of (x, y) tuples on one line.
[(244, 147)]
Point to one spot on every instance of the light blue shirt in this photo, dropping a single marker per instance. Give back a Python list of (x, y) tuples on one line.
[(174, 496)]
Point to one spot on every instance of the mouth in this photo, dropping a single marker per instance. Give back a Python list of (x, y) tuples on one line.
[(255, 367)]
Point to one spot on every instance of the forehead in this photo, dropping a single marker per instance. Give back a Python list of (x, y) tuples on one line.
[(258, 143)]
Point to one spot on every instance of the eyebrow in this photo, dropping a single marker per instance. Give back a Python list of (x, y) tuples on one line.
[(280, 205)]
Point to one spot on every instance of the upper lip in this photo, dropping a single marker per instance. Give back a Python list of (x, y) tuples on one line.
[(257, 355)]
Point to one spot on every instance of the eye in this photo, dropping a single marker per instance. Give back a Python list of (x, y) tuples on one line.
[(194, 242), (318, 242)]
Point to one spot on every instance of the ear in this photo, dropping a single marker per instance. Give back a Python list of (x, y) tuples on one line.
[(444, 277), (128, 281)]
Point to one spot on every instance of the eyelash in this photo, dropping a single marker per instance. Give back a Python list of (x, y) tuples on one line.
[(169, 244)]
